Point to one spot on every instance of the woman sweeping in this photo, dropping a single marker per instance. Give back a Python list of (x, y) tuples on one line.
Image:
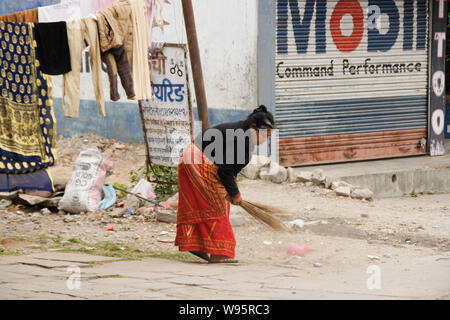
[(207, 174)]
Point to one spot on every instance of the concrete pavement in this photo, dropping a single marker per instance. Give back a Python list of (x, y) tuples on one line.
[(51, 275)]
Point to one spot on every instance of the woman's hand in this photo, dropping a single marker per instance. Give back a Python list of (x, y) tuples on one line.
[(237, 199)]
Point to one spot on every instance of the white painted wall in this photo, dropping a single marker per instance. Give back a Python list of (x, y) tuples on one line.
[(227, 35)]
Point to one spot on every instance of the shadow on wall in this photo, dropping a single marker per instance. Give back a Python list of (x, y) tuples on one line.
[(122, 121), (11, 6)]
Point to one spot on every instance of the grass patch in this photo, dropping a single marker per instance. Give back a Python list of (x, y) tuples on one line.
[(123, 251), (7, 252), (106, 249), (17, 238), (76, 241)]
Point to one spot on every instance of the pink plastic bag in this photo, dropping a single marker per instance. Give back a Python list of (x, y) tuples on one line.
[(296, 249)]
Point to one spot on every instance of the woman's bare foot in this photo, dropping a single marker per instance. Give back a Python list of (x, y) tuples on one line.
[(201, 255)]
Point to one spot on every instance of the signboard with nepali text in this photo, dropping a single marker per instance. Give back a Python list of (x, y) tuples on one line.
[(167, 117)]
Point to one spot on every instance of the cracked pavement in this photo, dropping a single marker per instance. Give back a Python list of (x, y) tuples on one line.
[(45, 276)]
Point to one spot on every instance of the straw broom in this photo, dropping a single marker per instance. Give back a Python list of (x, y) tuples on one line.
[(273, 210), (265, 214)]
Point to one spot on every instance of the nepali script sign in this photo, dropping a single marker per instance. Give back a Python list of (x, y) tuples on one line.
[(167, 116)]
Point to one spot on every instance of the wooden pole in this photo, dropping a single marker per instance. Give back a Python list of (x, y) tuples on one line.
[(196, 64), (147, 150)]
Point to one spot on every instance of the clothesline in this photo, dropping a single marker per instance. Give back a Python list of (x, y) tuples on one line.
[(31, 51), (131, 34)]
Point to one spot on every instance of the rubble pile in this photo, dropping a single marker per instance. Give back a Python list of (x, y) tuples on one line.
[(260, 167)]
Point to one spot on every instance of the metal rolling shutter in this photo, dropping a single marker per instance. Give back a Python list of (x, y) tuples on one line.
[(331, 103)]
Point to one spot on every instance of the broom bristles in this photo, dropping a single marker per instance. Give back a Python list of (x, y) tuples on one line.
[(272, 210), (264, 216)]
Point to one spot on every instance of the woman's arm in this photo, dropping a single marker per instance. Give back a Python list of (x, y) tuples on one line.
[(226, 175)]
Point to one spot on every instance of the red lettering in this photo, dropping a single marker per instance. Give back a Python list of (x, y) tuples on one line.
[(343, 7)]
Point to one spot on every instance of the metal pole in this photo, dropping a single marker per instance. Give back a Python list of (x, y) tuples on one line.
[(196, 64)]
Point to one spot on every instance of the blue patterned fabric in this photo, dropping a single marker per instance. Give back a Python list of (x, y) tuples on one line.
[(27, 121)]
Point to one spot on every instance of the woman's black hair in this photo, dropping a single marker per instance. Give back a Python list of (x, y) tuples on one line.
[(262, 118)]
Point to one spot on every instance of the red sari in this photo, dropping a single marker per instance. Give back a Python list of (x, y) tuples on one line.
[(203, 213)]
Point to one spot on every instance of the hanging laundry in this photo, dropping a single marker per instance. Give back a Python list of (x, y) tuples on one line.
[(27, 121), (22, 16), (80, 33), (102, 4), (158, 19), (53, 47), (141, 43), (149, 5), (115, 33), (65, 11), (123, 69), (136, 38)]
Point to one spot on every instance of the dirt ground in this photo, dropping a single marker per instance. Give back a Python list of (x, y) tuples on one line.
[(340, 232)]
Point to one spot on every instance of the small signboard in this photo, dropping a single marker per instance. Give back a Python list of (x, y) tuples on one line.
[(167, 117)]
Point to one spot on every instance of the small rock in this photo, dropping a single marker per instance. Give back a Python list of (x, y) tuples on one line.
[(144, 211), (343, 191), (336, 184), (252, 169), (362, 194), (275, 173), (318, 177), (317, 265), (166, 216), (298, 223), (136, 236), (304, 176), (292, 177), (68, 219), (45, 211), (116, 213), (364, 215), (328, 181), (5, 203)]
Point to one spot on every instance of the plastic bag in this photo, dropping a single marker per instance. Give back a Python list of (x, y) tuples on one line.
[(143, 189)]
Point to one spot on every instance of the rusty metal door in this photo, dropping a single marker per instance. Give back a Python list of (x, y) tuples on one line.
[(351, 79)]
